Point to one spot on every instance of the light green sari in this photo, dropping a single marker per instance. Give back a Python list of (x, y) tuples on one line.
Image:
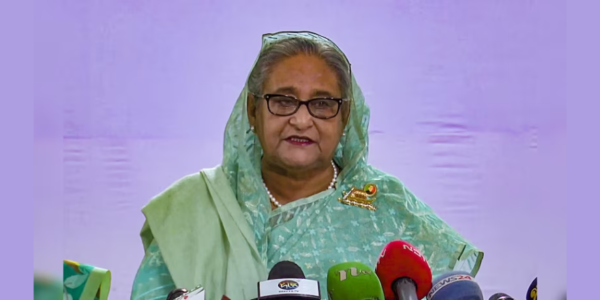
[(216, 228)]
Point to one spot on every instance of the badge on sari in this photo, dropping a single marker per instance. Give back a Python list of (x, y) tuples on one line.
[(361, 198)]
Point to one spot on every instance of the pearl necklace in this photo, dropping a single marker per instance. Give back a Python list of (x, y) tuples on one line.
[(331, 185)]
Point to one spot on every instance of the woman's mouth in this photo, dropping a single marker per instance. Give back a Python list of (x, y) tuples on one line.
[(299, 141)]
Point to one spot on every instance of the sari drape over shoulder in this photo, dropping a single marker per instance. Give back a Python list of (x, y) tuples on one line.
[(217, 229), (198, 229)]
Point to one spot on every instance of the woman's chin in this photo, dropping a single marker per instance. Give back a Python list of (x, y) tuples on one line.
[(298, 162)]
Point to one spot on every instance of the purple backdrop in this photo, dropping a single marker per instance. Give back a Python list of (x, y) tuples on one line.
[(460, 113)]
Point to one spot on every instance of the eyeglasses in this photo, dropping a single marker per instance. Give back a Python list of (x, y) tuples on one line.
[(321, 108)]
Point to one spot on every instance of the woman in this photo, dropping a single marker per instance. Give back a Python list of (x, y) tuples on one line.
[(294, 185)]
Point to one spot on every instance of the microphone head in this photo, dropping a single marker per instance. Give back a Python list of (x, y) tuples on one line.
[(176, 293), (501, 296), (353, 281), (532, 290), (400, 259), (286, 269), (287, 281), (455, 285)]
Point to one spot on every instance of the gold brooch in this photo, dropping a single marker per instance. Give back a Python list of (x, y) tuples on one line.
[(361, 198)]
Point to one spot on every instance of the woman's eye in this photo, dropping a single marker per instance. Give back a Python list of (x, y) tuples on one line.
[(286, 103)]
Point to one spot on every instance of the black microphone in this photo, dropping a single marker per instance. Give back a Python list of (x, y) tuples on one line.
[(286, 281), (286, 269), (501, 296), (532, 290), (197, 293), (176, 293)]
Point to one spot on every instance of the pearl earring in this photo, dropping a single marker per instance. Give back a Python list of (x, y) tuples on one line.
[(252, 128)]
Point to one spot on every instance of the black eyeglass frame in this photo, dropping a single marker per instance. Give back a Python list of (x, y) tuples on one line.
[(268, 97)]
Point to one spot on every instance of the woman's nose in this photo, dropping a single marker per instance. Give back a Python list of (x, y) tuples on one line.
[(302, 118)]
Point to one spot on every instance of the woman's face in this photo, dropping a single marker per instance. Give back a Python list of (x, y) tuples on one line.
[(299, 141)]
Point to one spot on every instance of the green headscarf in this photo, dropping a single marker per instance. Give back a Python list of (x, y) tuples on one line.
[(242, 151)]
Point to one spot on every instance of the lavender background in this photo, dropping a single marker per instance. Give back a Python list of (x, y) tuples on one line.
[(462, 95)]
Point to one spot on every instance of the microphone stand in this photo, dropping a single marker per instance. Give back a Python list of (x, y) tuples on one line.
[(405, 289)]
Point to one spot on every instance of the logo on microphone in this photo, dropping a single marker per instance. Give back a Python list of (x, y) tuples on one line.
[(415, 251), (446, 281), (353, 272), (381, 255), (533, 294), (288, 285)]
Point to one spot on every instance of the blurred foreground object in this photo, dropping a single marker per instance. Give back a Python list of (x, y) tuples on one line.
[(85, 282), (46, 287)]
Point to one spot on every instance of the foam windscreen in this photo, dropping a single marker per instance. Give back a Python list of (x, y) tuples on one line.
[(455, 285), (353, 281), (286, 269), (400, 259)]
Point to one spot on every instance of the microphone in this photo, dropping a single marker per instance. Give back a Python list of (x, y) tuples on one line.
[(353, 281), (403, 271), (455, 285), (532, 290), (287, 281), (286, 269), (179, 294), (176, 293), (501, 296)]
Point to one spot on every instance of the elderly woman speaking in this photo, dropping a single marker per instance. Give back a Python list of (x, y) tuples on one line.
[(294, 184)]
